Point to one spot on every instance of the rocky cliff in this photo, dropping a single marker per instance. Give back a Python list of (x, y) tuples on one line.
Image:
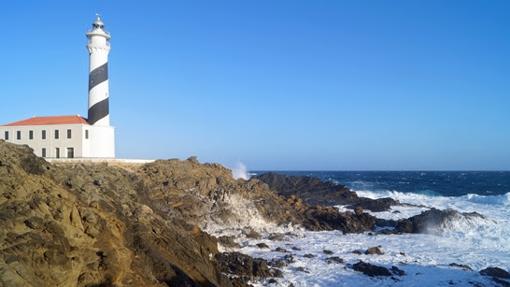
[(77, 224)]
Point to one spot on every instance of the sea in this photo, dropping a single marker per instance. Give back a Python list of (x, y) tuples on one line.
[(428, 259)]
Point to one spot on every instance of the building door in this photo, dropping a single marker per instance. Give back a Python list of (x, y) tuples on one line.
[(70, 152), (57, 152)]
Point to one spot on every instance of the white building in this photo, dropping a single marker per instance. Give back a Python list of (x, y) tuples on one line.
[(74, 136)]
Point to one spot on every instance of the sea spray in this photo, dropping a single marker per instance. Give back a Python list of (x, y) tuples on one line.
[(240, 171)]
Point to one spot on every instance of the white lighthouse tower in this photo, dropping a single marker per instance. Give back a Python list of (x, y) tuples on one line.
[(99, 48), (101, 143)]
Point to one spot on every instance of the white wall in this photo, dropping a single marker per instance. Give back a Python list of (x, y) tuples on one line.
[(101, 142), (50, 143)]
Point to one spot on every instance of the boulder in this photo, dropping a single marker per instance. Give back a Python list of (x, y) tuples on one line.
[(334, 259), (370, 269), (376, 250), (495, 272), (433, 221), (262, 245)]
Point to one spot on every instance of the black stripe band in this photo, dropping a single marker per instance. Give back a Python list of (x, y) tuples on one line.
[(98, 75), (98, 111)]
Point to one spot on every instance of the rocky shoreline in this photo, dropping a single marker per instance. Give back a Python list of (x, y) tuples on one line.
[(164, 223)]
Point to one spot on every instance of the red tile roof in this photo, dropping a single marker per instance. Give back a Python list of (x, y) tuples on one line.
[(53, 120)]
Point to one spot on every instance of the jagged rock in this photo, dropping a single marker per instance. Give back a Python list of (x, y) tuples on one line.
[(334, 259), (279, 249), (276, 236), (329, 218), (239, 264), (376, 250), (397, 271), (370, 269), (228, 241), (432, 221), (374, 205), (262, 245), (495, 272), (317, 192), (462, 266), (250, 233), (282, 262)]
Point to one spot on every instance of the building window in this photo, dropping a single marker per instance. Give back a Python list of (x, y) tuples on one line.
[(57, 152), (18, 135), (6, 135), (69, 134), (30, 135), (56, 134), (43, 152), (70, 152), (86, 134), (43, 134)]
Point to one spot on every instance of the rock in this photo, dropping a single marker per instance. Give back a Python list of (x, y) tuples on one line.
[(433, 221), (279, 249), (371, 270), (328, 252), (358, 210), (314, 191), (97, 182), (296, 248), (334, 259), (397, 271), (34, 222), (250, 233), (309, 255), (495, 272), (462, 266), (374, 205), (301, 269), (359, 252), (276, 236), (242, 265), (376, 250), (329, 218), (262, 245), (282, 262), (228, 241), (272, 281)]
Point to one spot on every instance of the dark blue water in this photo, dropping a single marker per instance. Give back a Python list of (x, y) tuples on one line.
[(448, 183)]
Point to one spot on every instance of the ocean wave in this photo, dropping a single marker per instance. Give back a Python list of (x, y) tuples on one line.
[(427, 195), (501, 199)]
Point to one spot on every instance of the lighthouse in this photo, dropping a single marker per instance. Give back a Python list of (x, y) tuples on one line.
[(98, 47), (73, 136)]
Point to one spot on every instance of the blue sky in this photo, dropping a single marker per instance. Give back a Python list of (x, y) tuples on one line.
[(331, 85)]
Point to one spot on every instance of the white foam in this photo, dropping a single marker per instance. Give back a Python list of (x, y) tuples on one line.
[(476, 242)]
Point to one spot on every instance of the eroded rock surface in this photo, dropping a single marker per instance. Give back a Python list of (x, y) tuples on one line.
[(314, 191), (94, 225)]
